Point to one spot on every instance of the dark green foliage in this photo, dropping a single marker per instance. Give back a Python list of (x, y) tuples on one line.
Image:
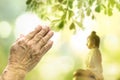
[(28, 2), (61, 25), (98, 8), (72, 26)]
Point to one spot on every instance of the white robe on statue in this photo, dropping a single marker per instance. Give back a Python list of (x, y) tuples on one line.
[(94, 62)]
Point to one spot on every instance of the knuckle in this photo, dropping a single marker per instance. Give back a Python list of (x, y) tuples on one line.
[(44, 48), (38, 37), (32, 48), (13, 47), (30, 45), (40, 34), (43, 41), (44, 30), (34, 51), (20, 42)]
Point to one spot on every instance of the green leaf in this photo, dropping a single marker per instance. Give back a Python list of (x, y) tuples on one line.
[(93, 17), (28, 2), (90, 2), (60, 1), (63, 17), (103, 6), (55, 20), (88, 12), (80, 24), (56, 24), (72, 26), (70, 3), (80, 2), (82, 14), (112, 3), (98, 8), (57, 7), (118, 6), (110, 12), (70, 14), (61, 25)]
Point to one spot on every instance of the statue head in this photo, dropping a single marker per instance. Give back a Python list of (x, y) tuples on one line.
[(93, 40)]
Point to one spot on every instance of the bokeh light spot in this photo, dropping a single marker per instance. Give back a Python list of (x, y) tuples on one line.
[(5, 29)]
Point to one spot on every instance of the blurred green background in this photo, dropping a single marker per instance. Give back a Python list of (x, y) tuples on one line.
[(69, 50)]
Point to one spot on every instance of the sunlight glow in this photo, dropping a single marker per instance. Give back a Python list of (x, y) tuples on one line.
[(26, 23), (113, 69), (56, 66), (111, 42), (78, 41)]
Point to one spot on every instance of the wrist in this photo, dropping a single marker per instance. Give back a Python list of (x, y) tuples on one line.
[(13, 73)]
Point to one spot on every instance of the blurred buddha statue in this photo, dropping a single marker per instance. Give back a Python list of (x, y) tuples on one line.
[(93, 62)]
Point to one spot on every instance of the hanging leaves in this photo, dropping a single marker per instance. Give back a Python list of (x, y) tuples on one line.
[(118, 6), (28, 2), (88, 12), (66, 10), (60, 1), (61, 25), (93, 17), (72, 26), (70, 14), (57, 25), (110, 12), (91, 2), (98, 8), (70, 3)]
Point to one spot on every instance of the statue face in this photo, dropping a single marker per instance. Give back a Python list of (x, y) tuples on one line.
[(90, 43)]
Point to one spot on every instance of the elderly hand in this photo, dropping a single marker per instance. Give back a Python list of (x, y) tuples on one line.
[(26, 52)]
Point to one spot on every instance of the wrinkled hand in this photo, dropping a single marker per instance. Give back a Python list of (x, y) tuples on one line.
[(27, 51)]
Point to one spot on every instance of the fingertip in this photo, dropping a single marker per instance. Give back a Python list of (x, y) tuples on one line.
[(39, 27), (21, 35), (50, 42), (52, 32), (48, 28)]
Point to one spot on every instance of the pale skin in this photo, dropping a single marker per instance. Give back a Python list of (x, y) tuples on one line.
[(26, 52)]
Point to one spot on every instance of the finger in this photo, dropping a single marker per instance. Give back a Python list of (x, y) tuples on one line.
[(33, 33), (21, 36), (41, 34), (45, 48), (44, 40)]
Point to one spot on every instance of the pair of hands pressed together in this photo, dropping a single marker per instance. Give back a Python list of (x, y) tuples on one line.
[(26, 52)]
